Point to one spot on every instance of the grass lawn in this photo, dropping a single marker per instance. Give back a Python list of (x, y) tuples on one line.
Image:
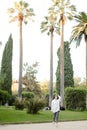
[(10, 115)]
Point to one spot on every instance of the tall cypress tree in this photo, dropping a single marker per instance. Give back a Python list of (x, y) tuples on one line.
[(6, 66), (68, 68)]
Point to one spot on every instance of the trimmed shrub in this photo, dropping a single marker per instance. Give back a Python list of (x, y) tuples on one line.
[(34, 105), (75, 98), (19, 105), (27, 95), (4, 97)]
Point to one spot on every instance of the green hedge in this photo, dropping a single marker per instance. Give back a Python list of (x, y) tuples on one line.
[(4, 97), (75, 99)]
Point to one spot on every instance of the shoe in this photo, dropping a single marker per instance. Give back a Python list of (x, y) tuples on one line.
[(56, 124)]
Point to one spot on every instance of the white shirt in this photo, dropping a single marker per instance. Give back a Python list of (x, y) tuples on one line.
[(55, 105)]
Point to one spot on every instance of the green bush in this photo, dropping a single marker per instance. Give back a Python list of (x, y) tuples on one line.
[(75, 98), (12, 100), (4, 97), (34, 105), (27, 95), (19, 105)]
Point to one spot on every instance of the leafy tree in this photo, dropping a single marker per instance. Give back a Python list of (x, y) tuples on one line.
[(20, 13), (77, 81), (44, 87), (30, 80), (80, 83), (78, 32), (68, 68), (6, 66)]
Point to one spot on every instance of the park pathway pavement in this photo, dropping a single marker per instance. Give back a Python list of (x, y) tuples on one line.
[(72, 125)]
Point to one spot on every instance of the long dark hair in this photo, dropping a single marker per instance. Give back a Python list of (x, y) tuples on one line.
[(56, 96)]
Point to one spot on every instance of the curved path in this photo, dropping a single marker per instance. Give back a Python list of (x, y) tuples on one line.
[(74, 125)]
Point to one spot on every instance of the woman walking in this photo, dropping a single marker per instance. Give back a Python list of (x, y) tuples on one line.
[(55, 108)]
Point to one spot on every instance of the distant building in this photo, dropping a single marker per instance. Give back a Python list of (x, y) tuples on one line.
[(15, 85)]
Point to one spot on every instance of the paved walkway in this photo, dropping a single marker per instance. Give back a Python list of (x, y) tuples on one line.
[(75, 125)]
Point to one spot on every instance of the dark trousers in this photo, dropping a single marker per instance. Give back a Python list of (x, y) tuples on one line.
[(56, 116)]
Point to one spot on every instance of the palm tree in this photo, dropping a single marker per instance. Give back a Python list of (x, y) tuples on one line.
[(64, 10), (50, 26), (20, 12), (78, 32)]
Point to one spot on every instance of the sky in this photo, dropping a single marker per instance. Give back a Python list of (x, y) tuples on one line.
[(36, 45)]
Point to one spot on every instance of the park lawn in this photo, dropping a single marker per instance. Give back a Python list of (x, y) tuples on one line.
[(10, 115)]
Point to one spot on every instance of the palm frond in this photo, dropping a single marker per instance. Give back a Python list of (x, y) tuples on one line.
[(65, 7), (50, 20), (56, 1), (43, 30), (48, 33), (21, 7), (46, 18), (13, 19), (77, 34), (57, 30), (26, 18), (23, 4), (11, 10), (80, 29), (16, 5), (25, 22), (81, 17), (70, 17), (78, 39), (44, 25), (30, 12), (72, 8), (67, 2), (85, 31)]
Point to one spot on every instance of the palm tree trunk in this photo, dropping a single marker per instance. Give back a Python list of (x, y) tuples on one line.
[(62, 63), (86, 70), (51, 67), (20, 62)]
